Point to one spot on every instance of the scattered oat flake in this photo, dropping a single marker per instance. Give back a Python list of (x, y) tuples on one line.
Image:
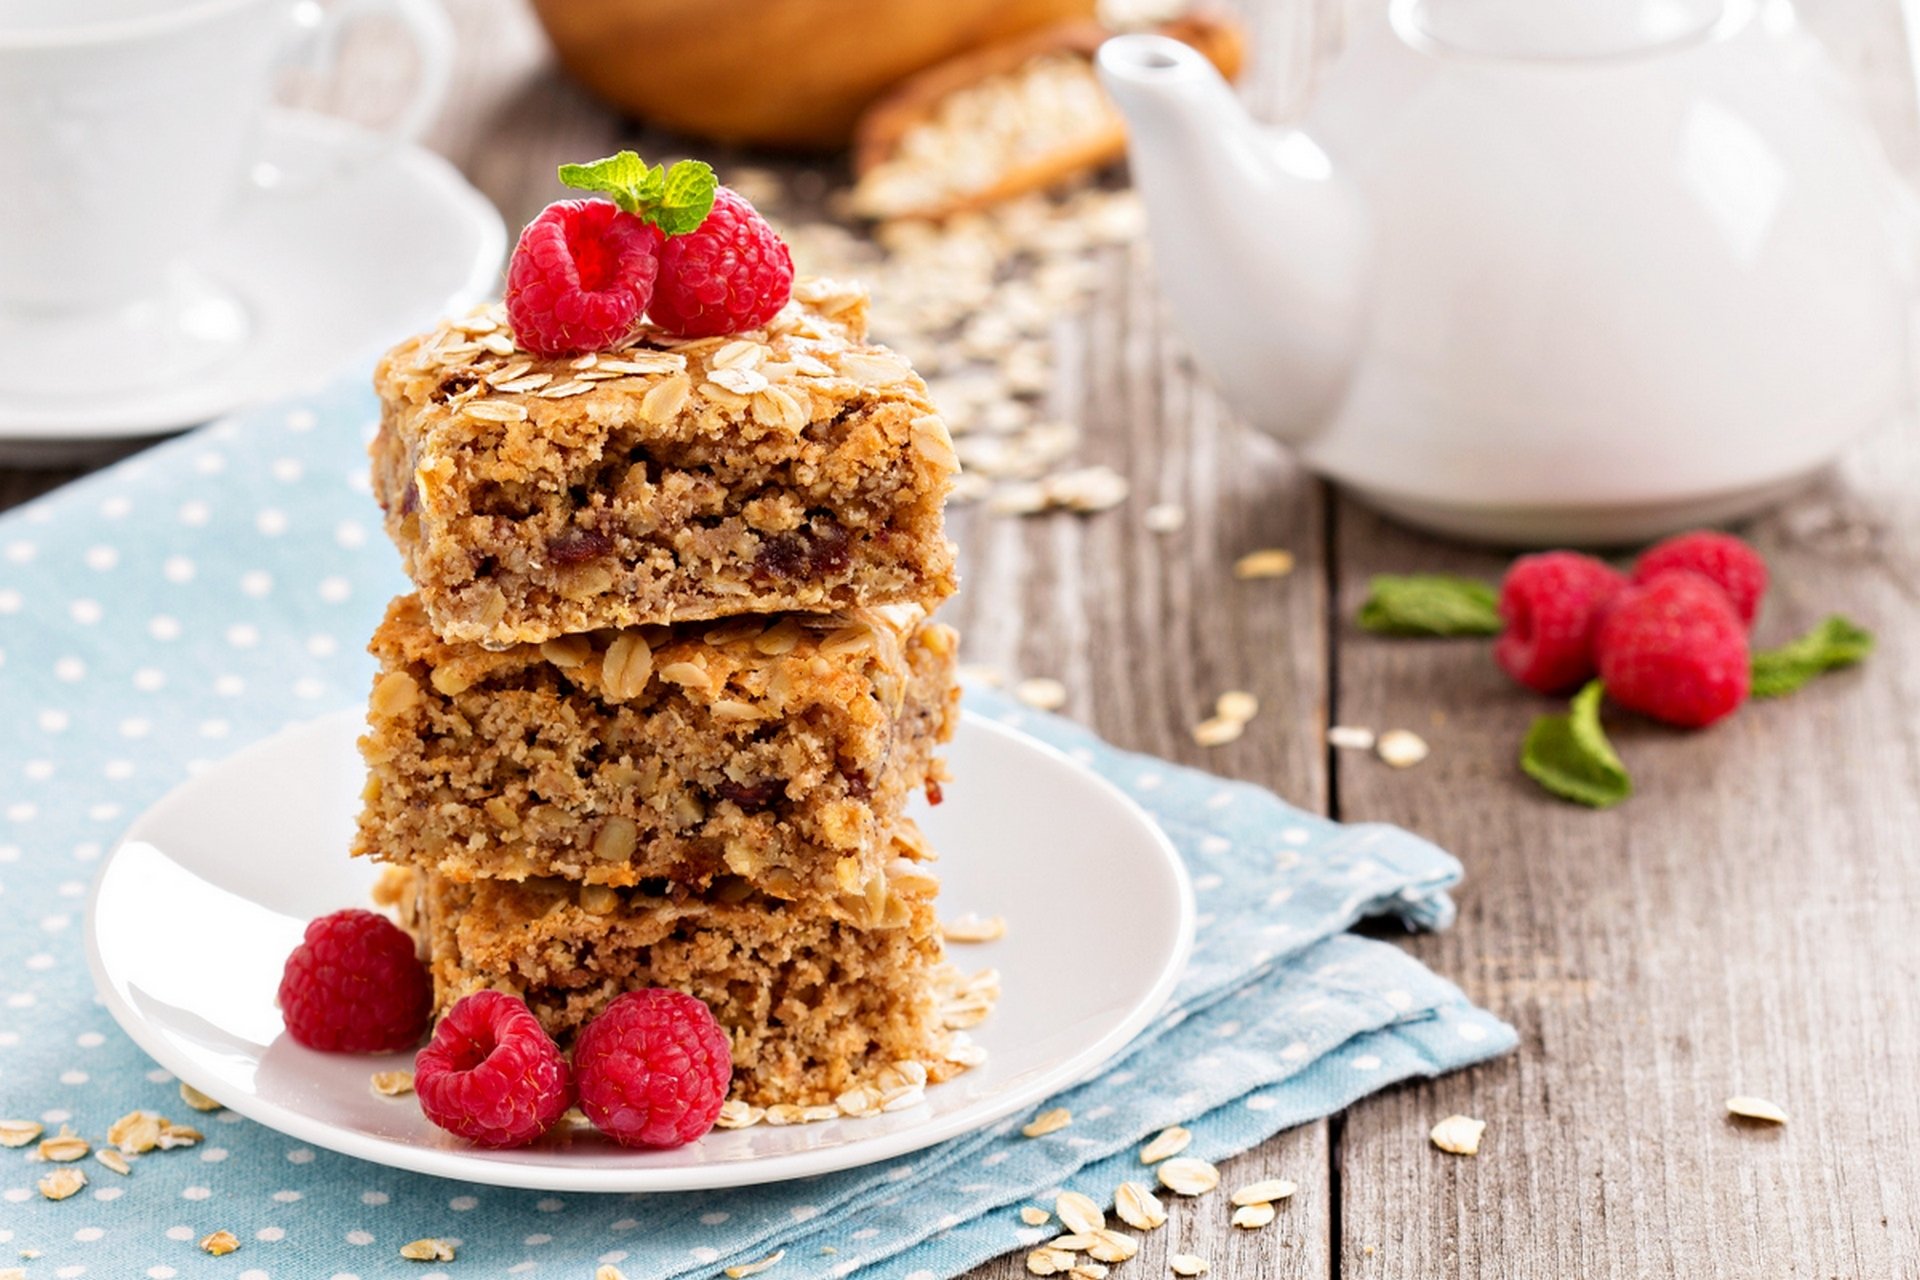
[(196, 1099), (64, 1146), (972, 928), (1165, 517), (1034, 1216), (62, 1183), (1168, 1142), (1042, 692), (1187, 1264), (1088, 1271), (1401, 748), (135, 1133), (609, 1272), (177, 1135), (1265, 1191), (1218, 731), (1458, 1135), (1750, 1108), (1236, 704), (1078, 1242), (1111, 1246), (755, 1268), (1251, 1217), (18, 1133), (1186, 1176), (392, 1084), (111, 1157), (1138, 1207), (1273, 562), (1350, 737), (1050, 1262), (220, 1243), (735, 1114), (427, 1250), (1048, 1122), (1078, 1213)]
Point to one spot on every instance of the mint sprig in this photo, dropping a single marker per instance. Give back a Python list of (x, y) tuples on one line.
[(1570, 756), (1836, 642), (676, 200), (1430, 604)]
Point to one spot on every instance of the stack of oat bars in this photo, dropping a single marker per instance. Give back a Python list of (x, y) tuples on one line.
[(667, 679)]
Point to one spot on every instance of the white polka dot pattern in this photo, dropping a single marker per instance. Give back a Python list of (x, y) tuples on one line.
[(200, 596)]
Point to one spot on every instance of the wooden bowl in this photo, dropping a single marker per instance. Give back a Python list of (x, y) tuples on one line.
[(791, 73)]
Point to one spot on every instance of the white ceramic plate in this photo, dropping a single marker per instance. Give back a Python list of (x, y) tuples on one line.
[(369, 242), (194, 911)]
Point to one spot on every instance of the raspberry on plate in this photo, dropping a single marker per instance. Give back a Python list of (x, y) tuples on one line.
[(491, 1074), (731, 274), (354, 985), (581, 277), (1552, 605), (1725, 560), (653, 1069), (1674, 648)]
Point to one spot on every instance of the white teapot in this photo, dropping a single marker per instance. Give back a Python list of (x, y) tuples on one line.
[(1538, 271)]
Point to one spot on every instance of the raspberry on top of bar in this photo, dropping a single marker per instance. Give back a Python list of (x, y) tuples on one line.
[(795, 467)]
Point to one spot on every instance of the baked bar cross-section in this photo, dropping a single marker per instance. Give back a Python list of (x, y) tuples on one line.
[(779, 751), (796, 467)]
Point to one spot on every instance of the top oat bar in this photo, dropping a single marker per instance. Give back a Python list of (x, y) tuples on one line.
[(792, 468)]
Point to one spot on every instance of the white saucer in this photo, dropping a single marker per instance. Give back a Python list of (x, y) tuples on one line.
[(193, 913), (379, 243)]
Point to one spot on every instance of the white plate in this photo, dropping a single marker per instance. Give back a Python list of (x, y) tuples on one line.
[(369, 242), (193, 913)]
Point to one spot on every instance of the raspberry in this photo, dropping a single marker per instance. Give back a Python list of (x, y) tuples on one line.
[(1729, 563), (580, 278), (1673, 648), (354, 985), (730, 274), (1552, 604), (491, 1074), (653, 1068)]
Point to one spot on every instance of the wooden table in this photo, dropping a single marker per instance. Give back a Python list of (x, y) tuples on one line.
[(1745, 924)]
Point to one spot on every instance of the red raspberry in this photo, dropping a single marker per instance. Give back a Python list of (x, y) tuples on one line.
[(1731, 564), (491, 1074), (1552, 604), (580, 278), (1673, 648), (653, 1068), (729, 274), (354, 985)]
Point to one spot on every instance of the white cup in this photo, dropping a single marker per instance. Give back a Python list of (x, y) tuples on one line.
[(128, 129)]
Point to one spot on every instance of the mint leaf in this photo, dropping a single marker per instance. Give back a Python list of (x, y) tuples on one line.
[(686, 197), (1835, 643), (676, 200), (1570, 756), (1430, 604), (619, 175)]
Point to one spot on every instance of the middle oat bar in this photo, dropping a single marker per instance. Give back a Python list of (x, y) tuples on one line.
[(780, 750)]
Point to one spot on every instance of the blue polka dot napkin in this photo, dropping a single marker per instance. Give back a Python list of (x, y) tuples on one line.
[(162, 613)]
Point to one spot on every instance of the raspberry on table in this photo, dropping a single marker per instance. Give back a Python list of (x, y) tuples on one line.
[(354, 985), (491, 1074), (1723, 559), (653, 1069), (581, 277), (1674, 648), (1552, 604), (731, 274)]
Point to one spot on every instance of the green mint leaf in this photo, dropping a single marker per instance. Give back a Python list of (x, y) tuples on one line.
[(1430, 604), (685, 197), (621, 176), (1835, 643), (1570, 756)]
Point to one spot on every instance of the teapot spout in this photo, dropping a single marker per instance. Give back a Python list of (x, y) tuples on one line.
[(1262, 250)]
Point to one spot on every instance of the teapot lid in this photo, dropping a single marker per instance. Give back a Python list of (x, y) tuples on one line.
[(1560, 30)]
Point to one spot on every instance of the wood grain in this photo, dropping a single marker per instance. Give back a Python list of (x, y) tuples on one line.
[(1742, 925)]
